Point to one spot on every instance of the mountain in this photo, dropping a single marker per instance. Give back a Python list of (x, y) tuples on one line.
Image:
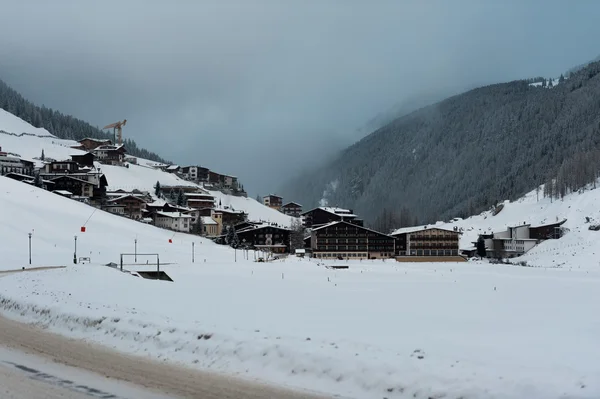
[(60, 125), (463, 154)]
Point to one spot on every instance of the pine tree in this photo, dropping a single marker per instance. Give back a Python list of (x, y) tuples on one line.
[(198, 227), (561, 79), (258, 199), (235, 240), (172, 196), (229, 238), (180, 198), (481, 251), (297, 235), (42, 157), (37, 181), (157, 189)]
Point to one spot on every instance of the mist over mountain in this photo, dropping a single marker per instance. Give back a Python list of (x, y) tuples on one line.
[(463, 154)]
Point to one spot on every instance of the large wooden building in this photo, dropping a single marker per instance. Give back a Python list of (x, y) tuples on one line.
[(326, 214), (273, 201), (265, 236), (292, 209), (426, 241), (346, 240)]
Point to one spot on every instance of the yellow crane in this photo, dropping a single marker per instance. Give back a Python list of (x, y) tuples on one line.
[(117, 130)]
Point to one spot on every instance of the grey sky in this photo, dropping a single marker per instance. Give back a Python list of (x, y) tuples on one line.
[(261, 89)]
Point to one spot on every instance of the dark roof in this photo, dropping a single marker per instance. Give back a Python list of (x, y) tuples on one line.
[(72, 178), (351, 224), (295, 204)]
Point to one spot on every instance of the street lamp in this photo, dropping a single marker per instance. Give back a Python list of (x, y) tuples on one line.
[(29, 234), (75, 253), (135, 251)]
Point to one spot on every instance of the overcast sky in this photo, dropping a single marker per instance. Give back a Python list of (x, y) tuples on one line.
[(261, 89)]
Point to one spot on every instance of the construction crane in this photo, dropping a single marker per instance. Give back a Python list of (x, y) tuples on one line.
[(117, 130)]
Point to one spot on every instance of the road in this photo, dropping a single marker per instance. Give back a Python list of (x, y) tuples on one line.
[(38, 364)]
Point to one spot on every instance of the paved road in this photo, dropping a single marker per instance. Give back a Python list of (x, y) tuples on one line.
[(38, 364)]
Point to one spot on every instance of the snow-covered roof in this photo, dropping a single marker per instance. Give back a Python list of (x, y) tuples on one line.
[(262, 226), (62, 192), (273, 195), (208, 220), (291, 204), (172, 167), (135, 196), (334, 210), (349, 224), (412, 229), (174, 215)]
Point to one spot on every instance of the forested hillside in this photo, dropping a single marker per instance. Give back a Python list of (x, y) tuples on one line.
[(466, 153), (60, 125)]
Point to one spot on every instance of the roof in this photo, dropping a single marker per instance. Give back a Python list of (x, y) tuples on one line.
[(173, 167), (62, 192), (262, 226), (273, 195), (208, 220), (412, 229), (350, 224), (174, 215), (228, 210), (198, 195), (96, 140), (125, 196), (292, 204), (560, 223), (72, 178), (334, 210)]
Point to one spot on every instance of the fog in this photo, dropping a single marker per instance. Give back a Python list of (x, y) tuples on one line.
[(263, 89)]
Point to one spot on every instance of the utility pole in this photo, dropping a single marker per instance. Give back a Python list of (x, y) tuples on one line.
[(235, 254), (135, 251), (29, 248), (193, 244), (75, 253)]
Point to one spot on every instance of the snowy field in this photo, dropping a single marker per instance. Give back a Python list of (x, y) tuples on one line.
[(378, 329)]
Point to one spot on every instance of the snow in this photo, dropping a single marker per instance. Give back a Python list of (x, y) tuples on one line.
[(10, 123), (174, 215), (412, 229), (378, 329)]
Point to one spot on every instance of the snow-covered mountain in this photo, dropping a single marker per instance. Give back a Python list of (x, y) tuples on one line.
[(142, 176)]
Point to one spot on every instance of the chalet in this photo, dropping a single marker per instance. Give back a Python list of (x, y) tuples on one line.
[(114, 209), (210, 228), (518, 240), (74, 185), (10, 164), (326, 214), (292, 209), (176, 221), (227, 217), (427, 243), (172, 169), (54, 167), (133, 205), (110, 154), (194, 173), (130, 159), (341, 239), (86, 159), (265, 236), (273, 201), (89, 144), (199, 200)]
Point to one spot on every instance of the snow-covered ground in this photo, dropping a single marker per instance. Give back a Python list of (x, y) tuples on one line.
[(379, 329)]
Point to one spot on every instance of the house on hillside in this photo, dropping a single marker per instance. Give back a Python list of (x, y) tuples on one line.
[(133, 206), (12, 164), (86, 159), (194, 173), (427, 243), (172, 169), (266, 237), (327, 214), (292, 209), (113, 208), (345, 240), (210, 228), (520, 239), (64, 167), (89, 144), (77, 187), (273, 201), (227, 217), (110, 154), (199, 200), (176, 221)]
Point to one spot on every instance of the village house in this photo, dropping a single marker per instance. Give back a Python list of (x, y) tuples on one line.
[(10, 164), (227, 217), (520, 239), (426, 243), (86, 159), (210, 228), (110, 154), (273, 201), (266, 237), (345, 240), (199, 200), (327, 214), (89, 144), (64, 193), (113, 208), (64, 167), (176, 221), (292, 209), (77, 187), (133, 205), (194, 173)]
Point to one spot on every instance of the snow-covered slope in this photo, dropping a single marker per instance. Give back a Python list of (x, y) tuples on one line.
[(142, 177), (10, 123), (576, 249)]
